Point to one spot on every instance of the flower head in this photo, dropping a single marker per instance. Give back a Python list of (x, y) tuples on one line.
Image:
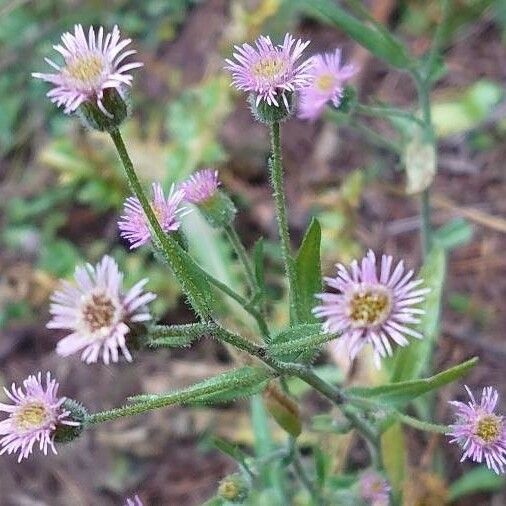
[(134, 501), (372, 309), (374, 489), (270, 71), (134, 225), (201, 186), (97, 312), (91, 66), (33, 418), (327, 80), (480, 431)]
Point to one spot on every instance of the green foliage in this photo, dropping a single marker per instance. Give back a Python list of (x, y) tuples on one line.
[(477, 480), (308, 277), (455, 233), (401, 393), (393, 449)]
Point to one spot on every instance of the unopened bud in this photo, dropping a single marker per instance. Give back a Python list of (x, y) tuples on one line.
[(218, 210), (283, 409)]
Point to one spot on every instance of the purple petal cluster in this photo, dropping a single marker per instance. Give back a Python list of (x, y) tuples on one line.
[(201, 186), (134, 501), (33, 417), (326, 84), (91, 66), (134, 225), (367, 308), (480, 431), (374, 488), (97, 312), (270, 71)]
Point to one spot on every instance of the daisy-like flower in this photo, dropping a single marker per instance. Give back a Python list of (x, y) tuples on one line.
[(200, 186), (480, 431), (134, 225), (91, 66), (97, 312), (374, 489), (270, 71), (327, 84), (372, 309), (134, 501), (35, 414)]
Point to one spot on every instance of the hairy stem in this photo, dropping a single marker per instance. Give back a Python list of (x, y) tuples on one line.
[(276, 169)]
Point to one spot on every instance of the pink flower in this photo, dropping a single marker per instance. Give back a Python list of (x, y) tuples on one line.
[(200, 186), (97, 312), (374, 489), (134, 501), (33, 417), (368, 309), (90, 67), (134, 225), (270, 71), (479, 431), (327, 80)]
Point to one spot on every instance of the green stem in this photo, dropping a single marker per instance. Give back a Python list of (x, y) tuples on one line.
[(276, 169), (421, 425), (167, 246), (302, 475), (242, 255), (381, 112)]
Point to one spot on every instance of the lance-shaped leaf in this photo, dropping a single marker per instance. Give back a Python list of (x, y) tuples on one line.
[(220, 388), (479, 479), (300, 342), (393, 449), (411, 360), (378, 42), (283, 409), (308, 274), (405, 391)]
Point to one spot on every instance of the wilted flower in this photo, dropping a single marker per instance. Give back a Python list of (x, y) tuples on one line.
[(270, 71), (368, 309), (200, 186), (97, 312), (480, 431), (134, 501), (374, 489), (91, 66), (134, 225), (33, 417), (327, 81)]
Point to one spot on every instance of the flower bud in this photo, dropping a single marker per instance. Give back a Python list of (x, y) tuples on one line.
[(77, 413), (270, 113), (234, 488), (95, 118), (218, 210), (348, 100)]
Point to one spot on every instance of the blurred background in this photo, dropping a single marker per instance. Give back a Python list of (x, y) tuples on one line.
[(62, 190)]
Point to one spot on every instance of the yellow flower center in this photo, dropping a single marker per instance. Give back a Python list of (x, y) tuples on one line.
[(489, 428), (98, 312), (325, 82), (369, 307), (86, 69), (31, 416), (269, 68)]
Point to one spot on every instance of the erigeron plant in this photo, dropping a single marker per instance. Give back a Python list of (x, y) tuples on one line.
[(372, 303)]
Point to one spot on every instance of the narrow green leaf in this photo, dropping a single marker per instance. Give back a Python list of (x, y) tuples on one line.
[(410, 361), (379, 43), (222, 384), (455, 233), (308, 273), (173, 336), (405, 391), (282, 346), (305, 347), (393, 449), (258, 256), (479, 479)]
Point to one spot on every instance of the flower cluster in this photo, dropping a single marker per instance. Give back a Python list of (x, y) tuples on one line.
[(480, 431), (374, 489), (34, 416), (367, 308)]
